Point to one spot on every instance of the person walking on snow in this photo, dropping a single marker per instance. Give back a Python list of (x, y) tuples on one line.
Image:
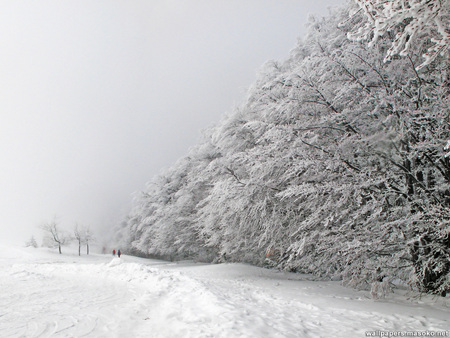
[(114, 252), (118, 253)]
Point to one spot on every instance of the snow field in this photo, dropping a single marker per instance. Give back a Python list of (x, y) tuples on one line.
[(49, 295), (275, 304)]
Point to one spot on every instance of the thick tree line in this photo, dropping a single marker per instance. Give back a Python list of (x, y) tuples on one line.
[(335, 164)]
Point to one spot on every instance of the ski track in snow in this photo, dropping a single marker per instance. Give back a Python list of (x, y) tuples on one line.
[(49, 295)]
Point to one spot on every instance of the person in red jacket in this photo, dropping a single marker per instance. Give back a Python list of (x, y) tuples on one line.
[(114, 252)]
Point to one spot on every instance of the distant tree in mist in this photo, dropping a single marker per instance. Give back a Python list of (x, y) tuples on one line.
[(83, 235), (53, 234), (31, 243), (88, 237), (78, 237)]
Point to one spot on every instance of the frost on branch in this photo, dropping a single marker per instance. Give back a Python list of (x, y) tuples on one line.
[(408, 20)]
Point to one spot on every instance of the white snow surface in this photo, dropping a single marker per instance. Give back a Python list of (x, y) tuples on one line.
[(45, 294)]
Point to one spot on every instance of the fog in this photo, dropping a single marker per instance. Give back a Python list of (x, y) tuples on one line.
[(97, 97)]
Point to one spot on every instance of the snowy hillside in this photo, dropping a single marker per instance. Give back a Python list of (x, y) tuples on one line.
[(45, 294)]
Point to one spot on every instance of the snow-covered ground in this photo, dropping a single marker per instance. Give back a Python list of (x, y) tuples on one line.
[(44, 294)]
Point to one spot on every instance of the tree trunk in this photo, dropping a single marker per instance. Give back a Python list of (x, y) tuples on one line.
[(59, 247), (87, 248)]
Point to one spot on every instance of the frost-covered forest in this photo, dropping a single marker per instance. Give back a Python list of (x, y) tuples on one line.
[(336, 163)]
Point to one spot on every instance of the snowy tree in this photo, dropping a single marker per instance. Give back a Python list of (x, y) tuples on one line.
[(31, 243), (420, 100), (334, 165), (161, 222), (83, 235), (88, 237), (78, 237), (408, 20), (54, 234)]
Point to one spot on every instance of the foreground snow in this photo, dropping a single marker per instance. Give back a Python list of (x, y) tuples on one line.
[(49, 295)]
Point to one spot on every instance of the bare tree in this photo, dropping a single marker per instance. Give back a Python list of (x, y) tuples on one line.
[(87, 234), (78, 237), (54, 233)]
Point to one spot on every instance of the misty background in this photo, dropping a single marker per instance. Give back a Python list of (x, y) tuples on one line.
[(98, 96)]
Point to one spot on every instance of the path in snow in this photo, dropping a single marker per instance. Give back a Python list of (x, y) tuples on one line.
[(49, 295)]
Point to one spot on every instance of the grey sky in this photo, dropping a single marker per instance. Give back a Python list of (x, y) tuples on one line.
[(97, 97)]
